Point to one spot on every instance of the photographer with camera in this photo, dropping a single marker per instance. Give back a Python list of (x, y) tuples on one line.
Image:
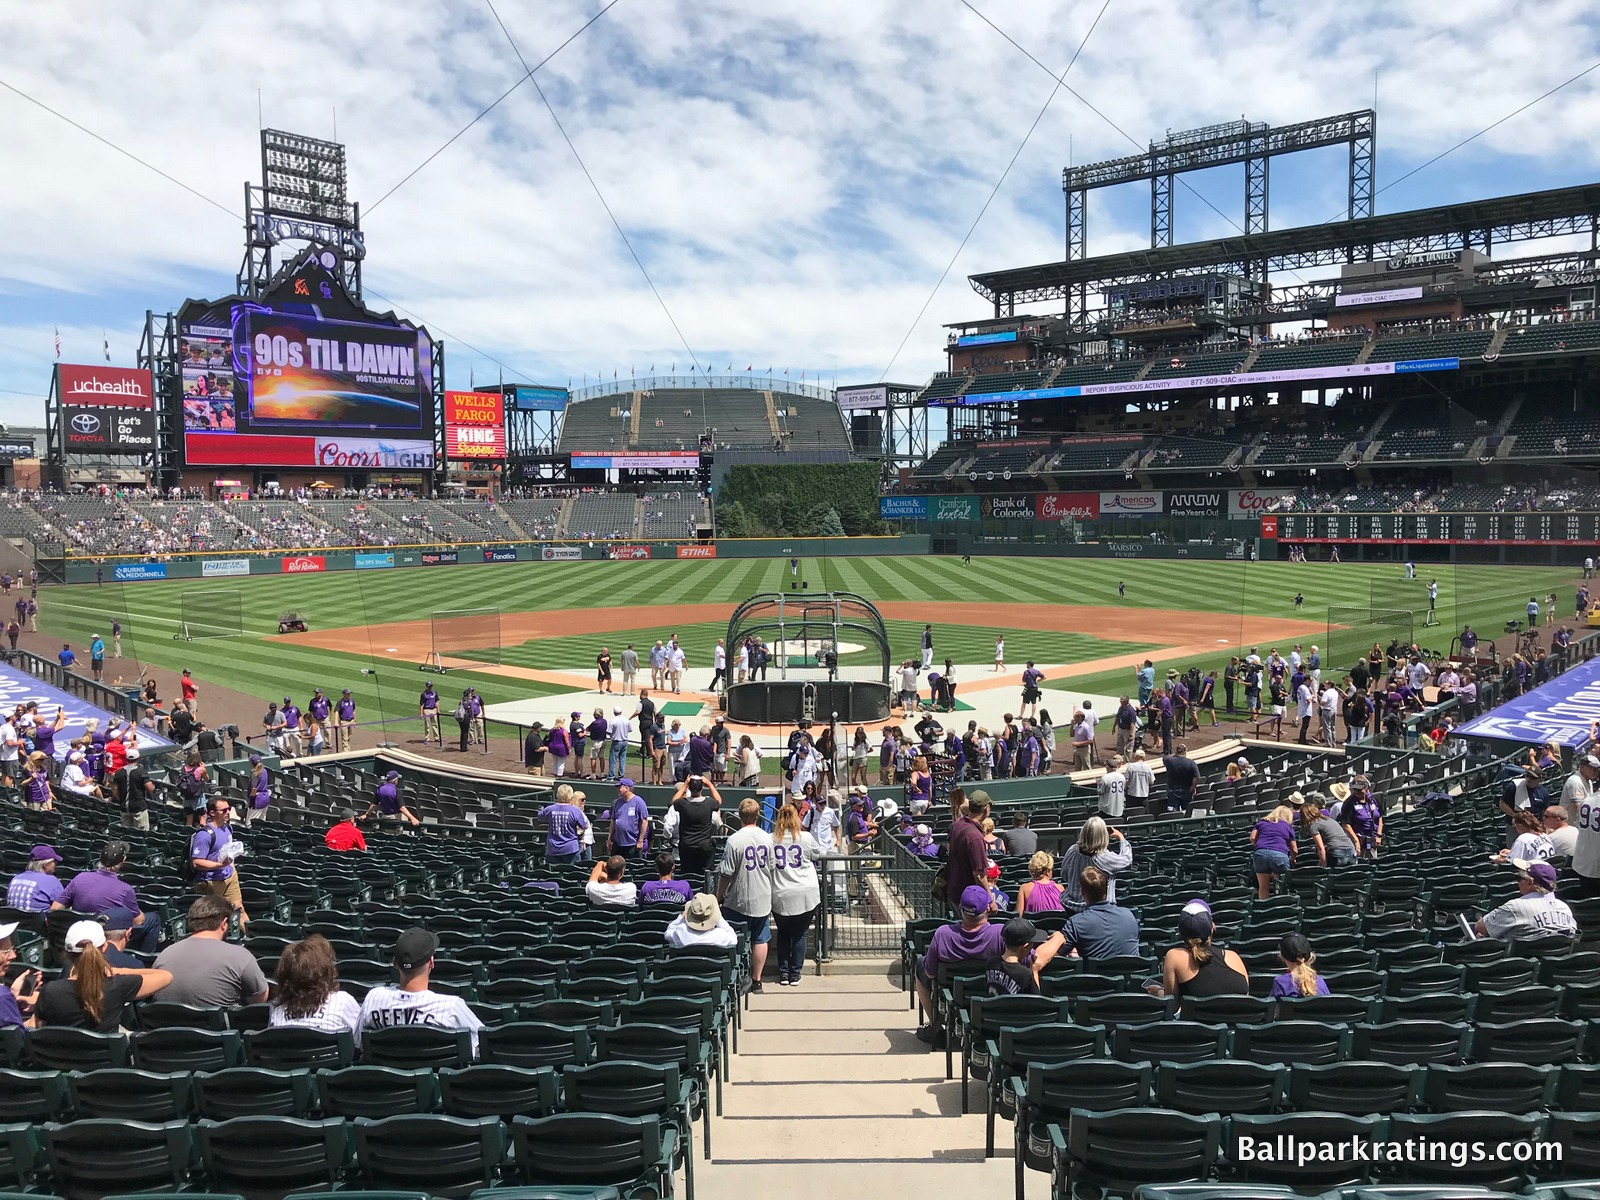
[(696, 809)]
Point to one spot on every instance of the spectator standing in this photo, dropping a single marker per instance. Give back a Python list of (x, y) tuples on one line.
[(1112, 789), (1273, 848), (189, 693), (308, 994), (695, 810), (1141, 780), (1183, 779), (1082, 741), (620, 731), (428, 710), (629, 834), (206, 970), (796, 892), (564, 826), (1563, 837), (212, 852), (1334, 847), (412, 1003), (745, 885)]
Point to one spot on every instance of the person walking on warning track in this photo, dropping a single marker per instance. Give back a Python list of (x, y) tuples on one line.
[(480, 734), (97, 657), (189, 692), (999, 654), (428, 710), (602, 670), (630, 668), (344, 720), (116, 638), (927, 647), (719, 660)]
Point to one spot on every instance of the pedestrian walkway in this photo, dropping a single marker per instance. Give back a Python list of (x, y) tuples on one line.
[(831, 1083)]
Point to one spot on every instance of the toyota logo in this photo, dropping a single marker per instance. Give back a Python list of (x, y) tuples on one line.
[(85, 423)]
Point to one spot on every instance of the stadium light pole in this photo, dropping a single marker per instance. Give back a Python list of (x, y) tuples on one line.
[(383, 721)]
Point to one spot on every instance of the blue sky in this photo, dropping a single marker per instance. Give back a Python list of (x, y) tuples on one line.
[(795, 174)]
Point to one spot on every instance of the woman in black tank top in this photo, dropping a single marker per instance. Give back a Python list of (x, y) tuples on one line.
[(1197, 968)]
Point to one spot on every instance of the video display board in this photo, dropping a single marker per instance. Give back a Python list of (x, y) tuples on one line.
[(106, 409), (474, 425)]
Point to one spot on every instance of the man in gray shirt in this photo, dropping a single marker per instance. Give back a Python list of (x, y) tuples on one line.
[(1019, 839), (744, 885), (630, 668), (208, 972)]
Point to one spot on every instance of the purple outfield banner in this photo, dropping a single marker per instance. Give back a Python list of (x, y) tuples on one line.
[(1562, 710)]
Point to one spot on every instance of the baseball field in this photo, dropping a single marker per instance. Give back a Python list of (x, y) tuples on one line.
[(1066, 614)]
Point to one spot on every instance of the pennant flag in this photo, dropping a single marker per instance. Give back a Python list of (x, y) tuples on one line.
[(58, 342), (105, 343)]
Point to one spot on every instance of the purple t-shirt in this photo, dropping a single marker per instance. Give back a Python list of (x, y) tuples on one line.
[(1285, 988), (1274, 836), (347, 710), (319, 708), (953, 943), (98, 891), (566, 824), (10, 1014), (669, 891)]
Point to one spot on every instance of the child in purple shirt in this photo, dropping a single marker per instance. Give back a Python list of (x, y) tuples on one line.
[(666, 889)]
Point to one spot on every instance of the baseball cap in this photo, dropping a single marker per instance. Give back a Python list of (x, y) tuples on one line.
[(624, 782), (1541, 874), (616, 712), (392, 775), (7, 929), (1589, 760), (922, 831), (1020, 931), (978, 797), (702, 912), (84, 933), (974, 901), (1195, 920), (346, 691), (133, 753), (118, 919), (41, 853), (255, 760), (286, 700), (413, 948)]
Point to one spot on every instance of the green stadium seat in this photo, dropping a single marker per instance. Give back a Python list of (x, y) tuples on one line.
[(376, 1091), (1412, 1043), (493, 1090), (179, 1048), (291, 1048), (1356, 1087), (1047, 1095), (33, 1096), (274, 1155), (595, 1149), (1121, 1150), (1170, 1042), (532, 1044), (57, 1048), (445, 1156), (1312, 1043), (1508, 1087), (21, 1154), (410, 1047), (1220, 1086), (252, 1092), (124, 1094), (96, 1157), (1318, 1127), (627, 1089)]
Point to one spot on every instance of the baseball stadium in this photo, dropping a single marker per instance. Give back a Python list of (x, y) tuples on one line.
[(1154, 755)]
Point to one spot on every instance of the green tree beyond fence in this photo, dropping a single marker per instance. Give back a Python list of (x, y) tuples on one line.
[(802, 500)]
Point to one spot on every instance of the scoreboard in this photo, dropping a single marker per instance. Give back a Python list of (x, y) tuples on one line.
[(1451, 529)]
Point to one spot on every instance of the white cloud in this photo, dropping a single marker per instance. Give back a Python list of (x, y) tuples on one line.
[(794, 174)]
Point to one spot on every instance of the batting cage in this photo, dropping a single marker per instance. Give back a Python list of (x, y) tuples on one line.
[(464, 633), (210, 614), (804, 636), (1352, 631)]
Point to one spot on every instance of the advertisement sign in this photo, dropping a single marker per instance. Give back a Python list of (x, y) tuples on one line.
[(1130, 504), (16, 448), (697, 551), (1562, 710), (1008, 508), (300, 370), (628, 552), (263, 450), (474, 425), (986, 339), (114, 429), (212, 567), (561, 553), (1060, 506), (903, 508), (541, 399), (303, 564), (953, 508), (641, 460), (440, 558), (1388, 296), (128, 572), (1269, 527), (104, 387), (18, 687), (499, 554), (1223, 380), (861, 397), (1248, 503), (373, 561), (1196, 504)]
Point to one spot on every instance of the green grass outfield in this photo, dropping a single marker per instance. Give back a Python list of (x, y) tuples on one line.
[(1483, 595)]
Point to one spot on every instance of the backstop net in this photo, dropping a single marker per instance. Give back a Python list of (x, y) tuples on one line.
[(210, 614), (464, 633), (1352, 631)]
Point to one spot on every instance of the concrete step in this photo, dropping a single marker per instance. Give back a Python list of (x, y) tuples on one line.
[(832, 1171), (805, 1066), (776, 1099), (888, 1136)]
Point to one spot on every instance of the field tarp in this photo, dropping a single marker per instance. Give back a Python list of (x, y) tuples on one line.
[(1562, 710)]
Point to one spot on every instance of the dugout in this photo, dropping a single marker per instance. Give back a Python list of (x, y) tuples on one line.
[(803, 681)]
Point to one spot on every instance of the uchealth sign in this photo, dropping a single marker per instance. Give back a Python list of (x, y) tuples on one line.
[(697, 551), (1195, 504), (1008, 508), (303, 564), (1130, 504), (1060, 506), (1247, 503), (104, 387)]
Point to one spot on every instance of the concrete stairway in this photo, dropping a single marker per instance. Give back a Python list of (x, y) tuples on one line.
[(831, 1081)]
